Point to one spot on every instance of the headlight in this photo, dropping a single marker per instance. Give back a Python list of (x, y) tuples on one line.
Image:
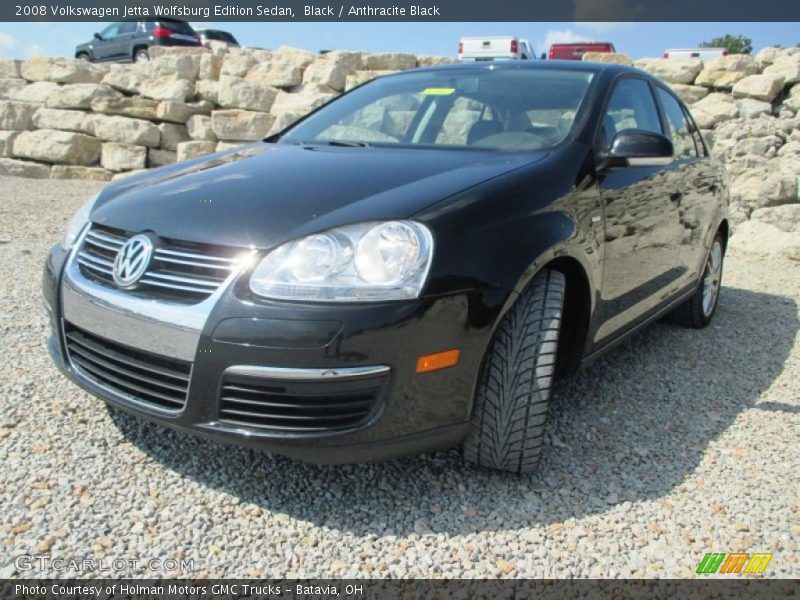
[(363, 262), (77, 223)]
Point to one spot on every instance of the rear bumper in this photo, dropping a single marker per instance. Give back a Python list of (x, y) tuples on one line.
[(412, 413)]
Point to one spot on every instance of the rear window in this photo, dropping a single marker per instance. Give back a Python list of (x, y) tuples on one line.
[(220, 36), (178, 27), (486, 109)]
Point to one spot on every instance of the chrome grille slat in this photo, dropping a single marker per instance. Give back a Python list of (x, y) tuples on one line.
[(155, 380), (95, 259), (177, 273), (104, 245), (221, 259), (95, 267), (105, 237), (174, 286), (178, 261), (178, 279)]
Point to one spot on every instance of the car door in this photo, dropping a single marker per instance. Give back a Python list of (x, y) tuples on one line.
[(641, 269), (103, 48), (123, 48), (701, 187)]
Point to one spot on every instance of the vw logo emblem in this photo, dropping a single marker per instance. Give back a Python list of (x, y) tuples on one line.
[(132, 260)]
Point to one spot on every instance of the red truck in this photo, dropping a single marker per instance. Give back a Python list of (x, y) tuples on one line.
[(575, 51)]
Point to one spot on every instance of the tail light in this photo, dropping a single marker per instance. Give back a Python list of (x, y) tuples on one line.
[(161, 32), (460, 47), (724, 53), (666, 54), (196, 38), (514, 46)]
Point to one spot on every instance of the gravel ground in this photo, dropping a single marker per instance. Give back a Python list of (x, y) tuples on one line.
[(678, 443)]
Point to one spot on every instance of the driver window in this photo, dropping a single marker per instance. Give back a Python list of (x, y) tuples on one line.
[(678, 126), (110, 31), (631, 107), (127, 27)]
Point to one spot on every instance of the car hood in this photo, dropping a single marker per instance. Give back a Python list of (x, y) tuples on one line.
[(264, 194)]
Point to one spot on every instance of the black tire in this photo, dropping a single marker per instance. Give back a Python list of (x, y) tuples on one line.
[(696, 312), (82, 56), (511, 401), (141, 55)]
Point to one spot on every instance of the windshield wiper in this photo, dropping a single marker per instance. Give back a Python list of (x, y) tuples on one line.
[(348, 144)]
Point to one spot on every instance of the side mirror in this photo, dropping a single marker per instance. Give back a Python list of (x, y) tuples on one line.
[(97, 36), (637, 147)]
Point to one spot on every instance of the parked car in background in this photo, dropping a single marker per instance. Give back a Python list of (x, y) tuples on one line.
[(216, 35), (576, 51), (494, 48), (526, 218), (704, 53), (132, 40)]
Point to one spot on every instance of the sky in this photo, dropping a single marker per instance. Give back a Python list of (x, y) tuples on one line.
[(21, 40)]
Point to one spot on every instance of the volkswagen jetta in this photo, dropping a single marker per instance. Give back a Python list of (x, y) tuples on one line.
[(408, 268)]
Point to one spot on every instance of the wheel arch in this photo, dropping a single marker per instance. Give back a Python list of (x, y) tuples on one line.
[(138, 47), (725, 231), (579, 303)]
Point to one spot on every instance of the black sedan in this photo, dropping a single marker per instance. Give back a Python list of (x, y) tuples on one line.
[(409, 268)]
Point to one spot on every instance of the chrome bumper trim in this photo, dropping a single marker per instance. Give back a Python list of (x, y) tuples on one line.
[(168, 329), (285, 373)]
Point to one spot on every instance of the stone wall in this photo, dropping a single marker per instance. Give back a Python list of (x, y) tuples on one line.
[(62, 118), (66, 119)]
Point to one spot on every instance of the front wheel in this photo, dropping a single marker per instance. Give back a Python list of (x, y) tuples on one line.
[(141, 55), (698, 310), (511, 400)]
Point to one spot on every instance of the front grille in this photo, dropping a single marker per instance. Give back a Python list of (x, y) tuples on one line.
[(299, 407), (180, 271), (157, 380)]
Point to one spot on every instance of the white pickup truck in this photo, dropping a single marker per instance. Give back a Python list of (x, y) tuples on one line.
[(494, 48), (702, 53)]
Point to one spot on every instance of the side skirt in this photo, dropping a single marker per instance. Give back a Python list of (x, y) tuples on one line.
[(679, 299)]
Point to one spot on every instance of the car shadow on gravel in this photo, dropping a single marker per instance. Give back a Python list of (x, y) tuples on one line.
[(631, 427)]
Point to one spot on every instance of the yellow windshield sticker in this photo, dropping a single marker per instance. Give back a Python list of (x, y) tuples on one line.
[(438, 91)]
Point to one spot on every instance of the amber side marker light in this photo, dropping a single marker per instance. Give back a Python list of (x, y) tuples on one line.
[(440, 360)]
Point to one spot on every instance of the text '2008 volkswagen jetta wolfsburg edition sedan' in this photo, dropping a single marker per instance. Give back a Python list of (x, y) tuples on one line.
[(407, 269)]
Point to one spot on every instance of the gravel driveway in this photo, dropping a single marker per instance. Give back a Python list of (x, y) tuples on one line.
[(676, 444)]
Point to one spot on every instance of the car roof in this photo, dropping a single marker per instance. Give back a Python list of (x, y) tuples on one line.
[(561, 65)]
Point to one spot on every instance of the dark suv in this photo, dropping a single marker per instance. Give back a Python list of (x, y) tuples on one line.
[(131, 40)]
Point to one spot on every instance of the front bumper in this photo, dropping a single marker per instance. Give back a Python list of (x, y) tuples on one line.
[(232, 332)]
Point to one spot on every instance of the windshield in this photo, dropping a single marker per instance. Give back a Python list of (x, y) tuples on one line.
[(487, 109)]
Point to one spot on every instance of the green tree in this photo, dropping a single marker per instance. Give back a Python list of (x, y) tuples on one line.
[(734, 44)]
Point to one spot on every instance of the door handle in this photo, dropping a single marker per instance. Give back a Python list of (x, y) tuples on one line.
[(676, 196)]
